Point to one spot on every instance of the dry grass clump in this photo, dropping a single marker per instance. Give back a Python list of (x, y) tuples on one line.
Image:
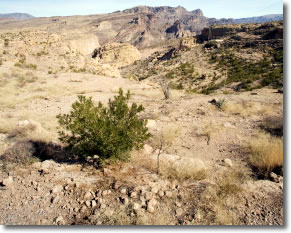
[(21, 153), (183, 168), (166, 137), (266, 153), (218, 203), (248, 108)]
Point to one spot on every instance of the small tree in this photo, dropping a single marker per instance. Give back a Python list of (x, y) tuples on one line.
[(109, 132)]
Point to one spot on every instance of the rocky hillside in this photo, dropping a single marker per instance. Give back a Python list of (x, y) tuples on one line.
[(228, 57)]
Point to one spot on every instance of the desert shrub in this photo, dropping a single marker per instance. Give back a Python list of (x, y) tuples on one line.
[(110, 132), (6, 42), (20, 153), (266, 154)]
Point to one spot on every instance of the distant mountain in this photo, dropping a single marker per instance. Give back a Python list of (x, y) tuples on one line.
[(260, 19), (17, 16)]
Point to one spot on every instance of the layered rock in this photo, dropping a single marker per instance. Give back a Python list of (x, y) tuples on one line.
[(117, 53)]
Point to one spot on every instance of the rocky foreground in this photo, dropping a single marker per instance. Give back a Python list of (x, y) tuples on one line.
[(53, 193)]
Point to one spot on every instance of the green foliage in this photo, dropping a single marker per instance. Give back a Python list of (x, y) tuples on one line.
[(211, 44), (268, 71), (183, 71), (110, 132), (6, 42)]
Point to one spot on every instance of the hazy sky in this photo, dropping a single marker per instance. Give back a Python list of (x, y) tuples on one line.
[(210, 8)]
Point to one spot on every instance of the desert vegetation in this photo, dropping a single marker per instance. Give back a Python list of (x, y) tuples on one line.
[(183, 131)]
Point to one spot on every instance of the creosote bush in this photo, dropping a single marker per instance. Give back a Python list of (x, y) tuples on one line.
[(109, 132)]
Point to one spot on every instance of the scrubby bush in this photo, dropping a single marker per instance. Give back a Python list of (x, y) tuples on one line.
[(109, 132)]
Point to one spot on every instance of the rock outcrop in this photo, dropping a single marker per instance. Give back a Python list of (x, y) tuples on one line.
[(117, 53), (85, 45)]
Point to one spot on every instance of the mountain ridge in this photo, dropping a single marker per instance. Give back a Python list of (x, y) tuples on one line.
[(17, 16)]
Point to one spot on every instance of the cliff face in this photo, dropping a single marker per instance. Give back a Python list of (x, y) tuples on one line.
[(143, 26)]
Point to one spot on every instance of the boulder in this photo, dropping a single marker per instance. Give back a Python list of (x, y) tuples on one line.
[(227, 162)]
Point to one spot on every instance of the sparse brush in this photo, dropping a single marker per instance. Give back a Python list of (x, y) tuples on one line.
[(266, 154), (217, 205), (166, 89)]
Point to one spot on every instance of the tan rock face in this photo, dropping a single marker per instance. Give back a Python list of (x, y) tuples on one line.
[(188, 43), (117, 53), (85, 45)]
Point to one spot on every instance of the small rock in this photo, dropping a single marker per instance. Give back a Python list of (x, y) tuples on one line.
[(100, 200), (147, 149), (88, 196), (155, 190), (60, 220), (106, 192), (93, 203), (151, 124), (7, 181), (123, 190), (88, 203), (151, 209), (227, 162), (152, 202), (179, 212), (109, 212), (161, 193), (169, 194), (136, 206), (102, 206), (148, 195), (133, 195), (228, 125), (178, 204), (274, 177), (174, 184), (106, 172), (57, 189)]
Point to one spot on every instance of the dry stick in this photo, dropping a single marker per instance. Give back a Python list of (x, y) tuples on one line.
[(158, 158)]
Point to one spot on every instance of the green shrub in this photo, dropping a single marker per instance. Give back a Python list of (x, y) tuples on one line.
[(211, 44), (109, 132), (6, 42)]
